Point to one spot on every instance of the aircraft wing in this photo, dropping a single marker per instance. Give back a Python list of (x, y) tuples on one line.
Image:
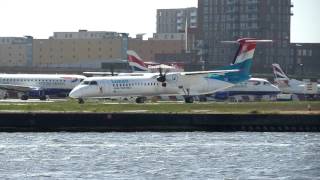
[(218, 72), (100, 73), (18, 88)]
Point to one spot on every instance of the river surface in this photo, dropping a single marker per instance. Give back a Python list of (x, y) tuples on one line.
[(152, 155)]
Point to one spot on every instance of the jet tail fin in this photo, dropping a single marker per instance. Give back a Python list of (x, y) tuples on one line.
[(135, 62), (281, 79), (278, 72)]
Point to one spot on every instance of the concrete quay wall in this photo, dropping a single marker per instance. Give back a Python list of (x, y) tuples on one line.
[(164, 122)]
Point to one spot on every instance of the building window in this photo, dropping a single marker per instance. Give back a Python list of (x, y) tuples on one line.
[(299, 52), (304, 52)]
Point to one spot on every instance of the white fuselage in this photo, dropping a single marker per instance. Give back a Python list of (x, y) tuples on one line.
[(294, 86), (146, 85), (254, 86), (49, 83)]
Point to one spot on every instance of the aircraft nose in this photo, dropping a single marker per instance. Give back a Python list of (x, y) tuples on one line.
[(75, 93), (275, 88)]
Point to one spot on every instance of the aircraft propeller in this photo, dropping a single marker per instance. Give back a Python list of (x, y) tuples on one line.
[(162, 77)]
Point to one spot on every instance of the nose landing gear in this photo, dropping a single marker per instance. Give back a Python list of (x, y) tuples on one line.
[(140, 100), (80, 101), (188, 99)]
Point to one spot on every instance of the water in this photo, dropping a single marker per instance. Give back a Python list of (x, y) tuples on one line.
[(148, 155)]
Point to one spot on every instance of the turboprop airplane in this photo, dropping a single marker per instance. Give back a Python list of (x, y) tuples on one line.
[(291, 86), (39, 85), (188, 84)]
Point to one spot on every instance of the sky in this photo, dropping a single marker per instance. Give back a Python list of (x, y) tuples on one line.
[(40, 18)]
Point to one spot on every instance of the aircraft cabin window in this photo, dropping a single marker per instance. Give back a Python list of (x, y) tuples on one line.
[(85, 82), (93, 83)]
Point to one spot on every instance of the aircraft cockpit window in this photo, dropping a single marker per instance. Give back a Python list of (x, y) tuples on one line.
[(93, 83), (255, 83), (86, 82), (266, 83)]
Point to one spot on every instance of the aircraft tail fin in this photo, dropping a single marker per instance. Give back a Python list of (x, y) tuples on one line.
[(281, 79), (244, 57), (278, 72), (136, 63)]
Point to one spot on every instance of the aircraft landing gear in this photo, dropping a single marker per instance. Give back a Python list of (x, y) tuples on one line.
[(24, 97), (140, 100), (202, 98), (188, 99), (80, 101), (43, 98)]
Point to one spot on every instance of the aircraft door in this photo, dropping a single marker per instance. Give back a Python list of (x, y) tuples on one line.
[(105, 88), (174, 79)]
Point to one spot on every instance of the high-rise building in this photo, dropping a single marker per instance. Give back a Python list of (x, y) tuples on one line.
[(221, 20), (174, 20), (306, 58)]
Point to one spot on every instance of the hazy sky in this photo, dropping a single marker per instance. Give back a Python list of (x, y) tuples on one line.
[(40, 18)]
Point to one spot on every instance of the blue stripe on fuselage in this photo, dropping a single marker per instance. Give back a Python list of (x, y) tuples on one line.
[(49, 92), (223, 95)]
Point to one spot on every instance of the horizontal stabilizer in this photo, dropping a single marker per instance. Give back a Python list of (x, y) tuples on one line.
[(220, 72), (248, 41)]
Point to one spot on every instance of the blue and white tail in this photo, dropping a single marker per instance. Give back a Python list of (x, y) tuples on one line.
[(136, 63), (278, 72), (281, 79)]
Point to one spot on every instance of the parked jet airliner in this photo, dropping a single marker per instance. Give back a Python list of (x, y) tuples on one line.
[(288, 85), (254, 88), (39, 85), (188, 84)]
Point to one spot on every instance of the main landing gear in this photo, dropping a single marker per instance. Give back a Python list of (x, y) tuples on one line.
[(140, 100), (188, 99), (43, 98), (24, 97), (80, 101)]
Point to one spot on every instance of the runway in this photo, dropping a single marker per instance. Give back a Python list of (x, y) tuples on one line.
[(31, 101)]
